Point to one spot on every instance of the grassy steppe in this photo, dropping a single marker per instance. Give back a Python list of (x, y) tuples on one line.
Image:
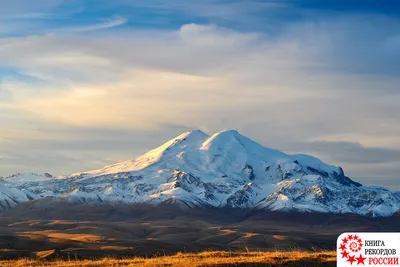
[(215, 258)]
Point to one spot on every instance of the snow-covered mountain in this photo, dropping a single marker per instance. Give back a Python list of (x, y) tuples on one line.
[(223, 170)]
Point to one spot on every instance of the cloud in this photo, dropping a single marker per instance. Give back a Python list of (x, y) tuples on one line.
[(350, 152), (41, 16), (129, 80), (204, 11), (109, 23)]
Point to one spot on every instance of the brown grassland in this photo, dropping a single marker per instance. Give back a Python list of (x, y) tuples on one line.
[(69, 235), (214, 258)]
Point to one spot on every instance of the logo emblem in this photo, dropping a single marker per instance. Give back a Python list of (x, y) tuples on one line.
[(350, 247)]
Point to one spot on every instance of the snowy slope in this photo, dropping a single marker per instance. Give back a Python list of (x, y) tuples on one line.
[(10, 197), (21, 178), (226, 169)]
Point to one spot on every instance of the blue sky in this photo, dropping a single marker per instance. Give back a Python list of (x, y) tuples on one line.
[(87, 83)]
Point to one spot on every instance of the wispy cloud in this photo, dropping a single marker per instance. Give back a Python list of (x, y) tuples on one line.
[(109, 23), (41, 16)]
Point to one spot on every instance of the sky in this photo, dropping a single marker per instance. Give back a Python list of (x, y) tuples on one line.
[(87, 83)]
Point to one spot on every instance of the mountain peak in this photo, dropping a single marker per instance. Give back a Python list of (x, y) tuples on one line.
[(222, 139), (224, 170), (232, 142), (229, 132), (191, 136), (187, 140), (190, 133)]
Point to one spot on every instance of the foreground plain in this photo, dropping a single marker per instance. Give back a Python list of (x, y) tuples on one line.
[(215, 258), (94, 232)]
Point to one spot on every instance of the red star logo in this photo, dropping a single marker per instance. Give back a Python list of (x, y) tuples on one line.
[(360, 260), (344, 254), (351, 259), (350, 245)]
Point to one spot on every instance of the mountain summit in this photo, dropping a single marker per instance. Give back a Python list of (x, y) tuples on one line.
[(226, 169)]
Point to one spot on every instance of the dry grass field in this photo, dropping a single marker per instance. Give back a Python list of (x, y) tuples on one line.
[(105, 235), (217, 258)]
